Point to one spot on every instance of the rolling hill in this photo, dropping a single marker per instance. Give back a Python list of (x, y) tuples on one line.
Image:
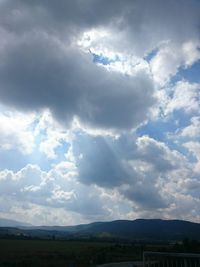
[(140, 229), (12, 223)]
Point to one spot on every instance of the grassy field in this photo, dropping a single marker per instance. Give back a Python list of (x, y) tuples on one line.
[(63, 253)]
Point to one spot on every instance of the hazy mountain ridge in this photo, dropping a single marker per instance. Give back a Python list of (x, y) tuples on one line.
[(140, 229), (12, 223)]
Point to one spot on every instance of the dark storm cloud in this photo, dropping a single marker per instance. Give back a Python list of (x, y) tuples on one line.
[(38, 72), (140, 25), (58, 17), (90, 12), (146, 24), (42, 68)]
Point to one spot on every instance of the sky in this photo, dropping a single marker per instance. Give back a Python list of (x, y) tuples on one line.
[(99, 110)]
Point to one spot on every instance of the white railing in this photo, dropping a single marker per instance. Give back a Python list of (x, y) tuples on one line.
[(159, 259)]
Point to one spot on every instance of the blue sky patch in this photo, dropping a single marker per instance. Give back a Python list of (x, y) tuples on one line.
[(103, 59), (148, 57), (191, 74)]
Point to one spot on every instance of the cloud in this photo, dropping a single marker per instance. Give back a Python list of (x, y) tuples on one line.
[(97, 163), (51, 189), (192, 130), (138, 168), (140, 27), (76, 81), (66, 81), (157, 154), (15, 131), (54, 73), (167, 61), (96, 183), (194, 148), (50, 135), (185, 96)]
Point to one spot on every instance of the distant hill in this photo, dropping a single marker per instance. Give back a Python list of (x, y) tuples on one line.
[(12, 223), (140, 230)]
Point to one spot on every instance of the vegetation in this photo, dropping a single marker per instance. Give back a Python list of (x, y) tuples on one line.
[(35, 252), (94, 244)]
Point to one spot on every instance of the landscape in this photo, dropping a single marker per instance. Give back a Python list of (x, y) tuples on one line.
[(95, 243), (100, 133)]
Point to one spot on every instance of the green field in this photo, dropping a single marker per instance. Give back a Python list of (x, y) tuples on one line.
[(63, 253)]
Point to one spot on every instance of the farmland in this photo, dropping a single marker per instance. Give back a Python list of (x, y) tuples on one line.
[(20, 252), (64, 253)]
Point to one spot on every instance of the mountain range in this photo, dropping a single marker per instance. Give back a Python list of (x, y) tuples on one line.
[(12, 223), (140, 229)]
